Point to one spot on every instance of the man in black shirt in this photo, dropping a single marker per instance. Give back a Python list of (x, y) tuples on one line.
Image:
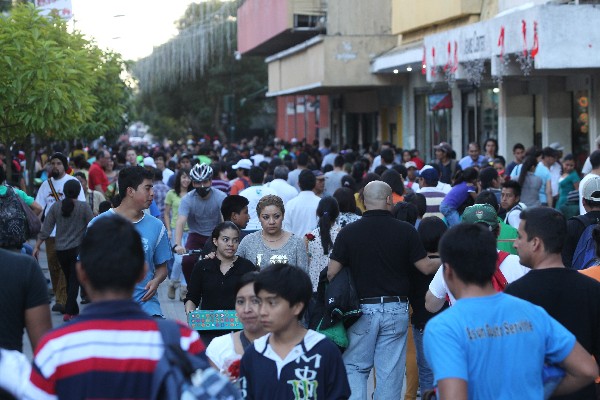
[(571, 298), (380, 252)]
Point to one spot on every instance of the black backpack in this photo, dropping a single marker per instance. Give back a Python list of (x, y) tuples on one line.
[(13, 221), (181, 375)]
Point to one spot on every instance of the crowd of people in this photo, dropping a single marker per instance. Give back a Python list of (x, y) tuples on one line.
[(257, 227)]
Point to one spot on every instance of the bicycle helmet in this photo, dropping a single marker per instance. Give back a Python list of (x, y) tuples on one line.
[(201, 172)]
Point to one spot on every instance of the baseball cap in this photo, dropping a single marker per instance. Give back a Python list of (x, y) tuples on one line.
[(410, 164), (481, 214), (243, 163), (149, 162), (591, 189), (429, 173), (557, 146), (445, 147), (318, 173)]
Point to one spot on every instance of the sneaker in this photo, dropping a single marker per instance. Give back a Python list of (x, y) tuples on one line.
[(171, 289), (57, 307), (68, 317), (182, 293)]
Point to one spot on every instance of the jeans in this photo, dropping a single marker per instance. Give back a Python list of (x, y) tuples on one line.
[(377, 339), (425, 372), (452, 217), (176, 272)]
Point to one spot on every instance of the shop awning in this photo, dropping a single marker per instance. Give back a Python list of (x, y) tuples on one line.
[(400, 58)]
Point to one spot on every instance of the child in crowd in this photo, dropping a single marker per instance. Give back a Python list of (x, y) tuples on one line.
[(464, 186)]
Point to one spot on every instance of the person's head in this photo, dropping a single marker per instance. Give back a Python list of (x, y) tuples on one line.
[(246, 303), (281, 172), (428, 177), (491, 147), (338, 161), (529, 165), (242, 167), (377, 196), (443, 151), (568, 164), (284, 292), (487, 197), (489, 178), (358, 170), (157, 174), (519, 152), (348, 182), (111, 257), (595, 159), (387, 156), (345, 199), (102, 157), (306, 180), (483, 214), (71, 190), (131, 156), (431, 230), (511, 194), (58, 164), (407, 212), (182, 181), (474, 150), (319, 182), (411, 170), (201, 176), (160, 159), (548, 156), (257, 175), (226, 238), (302, 159), (590, 194), (393, 178), (541, 233), (270, 211), (104, 206), (327, 212), (135, 187), (185, 162), (82, 180), (234, 208), (468, 175), (468, 253), (406, 156)]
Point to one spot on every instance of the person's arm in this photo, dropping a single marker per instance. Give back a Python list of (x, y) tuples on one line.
[(332, 269), (190, 306), (433, 304), (580, 368), (452, 389), (427, 265), (160, 274), (37, 209), (98, 187), (181, 221), (37, 323), (167, 219), (548, 191)]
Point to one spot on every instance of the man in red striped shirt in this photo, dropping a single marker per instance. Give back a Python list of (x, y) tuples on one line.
[(110, 351)]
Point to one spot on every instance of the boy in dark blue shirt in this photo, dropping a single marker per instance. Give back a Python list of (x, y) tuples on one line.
[(290, 362)]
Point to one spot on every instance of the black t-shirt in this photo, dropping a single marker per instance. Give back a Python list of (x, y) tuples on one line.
[(212, 290), (574, 230), (419, 284), (571, 298), (22, 287), (380, 252)]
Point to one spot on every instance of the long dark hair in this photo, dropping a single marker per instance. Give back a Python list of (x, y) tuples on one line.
[(468, 175), (71, 189), (177, 184), (529, 162), (327, 211)]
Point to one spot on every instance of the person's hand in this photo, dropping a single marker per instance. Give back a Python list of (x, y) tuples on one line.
[(36, 252), (210, 255), (151, 289), (179, 249)]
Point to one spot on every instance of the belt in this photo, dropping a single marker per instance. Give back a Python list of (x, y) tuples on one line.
[(384, 299)]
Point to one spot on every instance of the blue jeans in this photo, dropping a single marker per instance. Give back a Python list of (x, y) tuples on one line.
[(378, 339), (452, 217), (425, 373), (177, 260)]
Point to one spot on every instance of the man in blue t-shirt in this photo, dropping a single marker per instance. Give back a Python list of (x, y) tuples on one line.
[(491, 345), (135, 189)]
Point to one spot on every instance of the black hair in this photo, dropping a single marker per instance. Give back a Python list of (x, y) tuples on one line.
[(348, 182), (468, 175), (112, 254), (547, 224), (257, 175), (338, 161), (327, 212), (247, 278), (595, 159), (358, 169), (470, 250), (393, 178), (514, 185), (568, 157), (132, 177), (549, 152), (286, 281), (157, 174), (528, 163), (401, 169), (161, 155), (486, 176), (387, 156), (345, 199), (419, 201), (80, 174), (533, 151), (380, 169), (233, 204), (495, 145), (307, 180), (487, 197), (177, 182), (104, 206), (431, 230), (406, 212), (518, 146), (264, 165), (222, 226), (302, 159), (71, 189)]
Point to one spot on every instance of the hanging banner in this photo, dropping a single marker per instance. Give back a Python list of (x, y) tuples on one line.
[(63, 8)]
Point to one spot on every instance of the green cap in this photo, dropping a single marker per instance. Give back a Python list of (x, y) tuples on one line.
[(481, 214)]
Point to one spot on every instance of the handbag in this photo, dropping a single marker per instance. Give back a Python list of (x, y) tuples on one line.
[(34, 224), (336, 333)]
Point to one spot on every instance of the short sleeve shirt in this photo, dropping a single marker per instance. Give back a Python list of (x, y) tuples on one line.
[(202, 214)]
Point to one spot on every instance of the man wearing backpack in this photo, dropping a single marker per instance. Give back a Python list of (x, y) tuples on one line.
[(573, 299), (579, 241), (111, 350)]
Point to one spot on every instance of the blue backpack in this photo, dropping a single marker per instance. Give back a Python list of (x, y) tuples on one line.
[(585, 252), (181, 375)]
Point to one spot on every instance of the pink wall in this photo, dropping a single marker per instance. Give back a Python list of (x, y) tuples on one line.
[(290, 126), (259, 21)]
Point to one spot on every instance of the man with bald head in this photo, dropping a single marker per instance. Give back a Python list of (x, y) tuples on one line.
[(382, 253)]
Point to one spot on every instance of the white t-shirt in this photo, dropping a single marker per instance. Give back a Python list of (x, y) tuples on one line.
[(254, 194), (283, 189), (221, 351), (581, 186), (167, 173), (301, 213), (511, 268)]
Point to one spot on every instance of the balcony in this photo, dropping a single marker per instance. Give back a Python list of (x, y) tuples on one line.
[(266, 27)]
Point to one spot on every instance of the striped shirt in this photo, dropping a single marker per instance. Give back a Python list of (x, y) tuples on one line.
[(109, 351), (433, 199)]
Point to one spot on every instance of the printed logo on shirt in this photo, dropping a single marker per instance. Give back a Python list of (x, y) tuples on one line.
[(505, 329), (305, 387)]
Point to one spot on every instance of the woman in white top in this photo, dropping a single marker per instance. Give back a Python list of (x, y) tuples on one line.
[(224, 350), (319, 242)]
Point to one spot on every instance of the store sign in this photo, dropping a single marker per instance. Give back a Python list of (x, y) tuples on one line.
[(63, 8)]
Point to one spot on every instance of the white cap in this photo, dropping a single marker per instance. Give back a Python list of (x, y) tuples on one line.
[(557, 146), (149, 162), (243, 163), (410, 164)]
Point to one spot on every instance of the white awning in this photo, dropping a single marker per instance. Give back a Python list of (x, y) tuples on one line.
[(401, 57)]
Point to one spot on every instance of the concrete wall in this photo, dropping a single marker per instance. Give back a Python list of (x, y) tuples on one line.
[(515, 117), (260, 20), (359, 17), (410, 15)]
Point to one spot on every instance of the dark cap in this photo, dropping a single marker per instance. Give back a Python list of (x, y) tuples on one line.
[(62, 158)]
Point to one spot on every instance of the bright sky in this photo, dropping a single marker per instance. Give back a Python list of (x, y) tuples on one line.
[(130, 27)]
